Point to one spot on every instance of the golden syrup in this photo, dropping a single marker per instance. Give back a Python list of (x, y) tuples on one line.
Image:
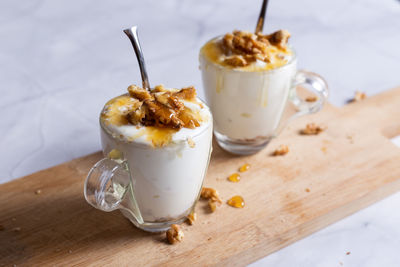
[(236, 202), (235, 177), (244, 167), (159, 137), (113, 111)]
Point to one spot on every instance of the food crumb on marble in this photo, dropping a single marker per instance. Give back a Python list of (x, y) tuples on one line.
[(358, 96)]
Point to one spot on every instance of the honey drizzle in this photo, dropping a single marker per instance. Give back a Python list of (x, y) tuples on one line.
[(236, 202), (235, 177), (244, 167)]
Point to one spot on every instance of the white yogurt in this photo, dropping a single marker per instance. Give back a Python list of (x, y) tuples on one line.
[(247, 103), (165, 181)]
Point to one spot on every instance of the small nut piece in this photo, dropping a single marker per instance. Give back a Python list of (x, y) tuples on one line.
[(191, 218), (358, 96), (210, 193), (282, 150), (174, 234), (212, 205), (190, 142), (312, 129)]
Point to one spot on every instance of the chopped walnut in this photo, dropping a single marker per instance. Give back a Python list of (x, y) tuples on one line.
[(191, 218), (236, 61), (282, 150), (161, 108), (190, 142), (174, 234), (358, 96), (279, 38), (139, 93), (38, 192), (210, 193), (242, 47), (212, 205), (312, 129)]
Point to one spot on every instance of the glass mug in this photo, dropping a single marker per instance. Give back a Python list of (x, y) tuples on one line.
[(248, 106), (153, 187)]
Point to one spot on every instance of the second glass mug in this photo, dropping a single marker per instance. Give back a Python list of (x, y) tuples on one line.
[(152, 187), (248, 106)]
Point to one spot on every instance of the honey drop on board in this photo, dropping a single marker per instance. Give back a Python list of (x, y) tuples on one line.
[(234, 177), (236, 202), (244, 167)]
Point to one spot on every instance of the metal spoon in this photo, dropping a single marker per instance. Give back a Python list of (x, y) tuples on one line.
[(132, 34), (261, 17)]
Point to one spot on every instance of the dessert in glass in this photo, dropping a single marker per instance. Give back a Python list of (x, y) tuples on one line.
[(249, 79), (157, 146)]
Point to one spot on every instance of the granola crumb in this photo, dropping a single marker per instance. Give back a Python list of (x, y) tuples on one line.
[(308, 190), (311, 99), (282, 150), (174, 234), (210, 193), (312, 129), (190, 142), (38, 192), (212, 205), (209, 238), (358, 96), (191, 218)]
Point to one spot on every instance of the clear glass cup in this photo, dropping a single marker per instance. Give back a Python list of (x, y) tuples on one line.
[(153, 187), (248, 106)]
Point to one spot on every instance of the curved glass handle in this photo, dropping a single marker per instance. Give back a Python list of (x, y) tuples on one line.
[(317, 85), (106, 185)]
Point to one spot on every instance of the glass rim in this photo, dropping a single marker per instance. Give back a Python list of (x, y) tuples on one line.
[(293, 60)]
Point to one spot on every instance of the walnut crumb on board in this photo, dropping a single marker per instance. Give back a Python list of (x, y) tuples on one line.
[(191, 218), (281, 150), (174, 234), (312, 129), (38, 192), (210, 193)]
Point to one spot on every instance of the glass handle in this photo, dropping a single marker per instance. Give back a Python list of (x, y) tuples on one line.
[(106, 185), (317, 85)]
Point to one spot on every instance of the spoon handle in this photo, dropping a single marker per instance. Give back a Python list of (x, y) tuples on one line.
[(132, 34), (261, 17)]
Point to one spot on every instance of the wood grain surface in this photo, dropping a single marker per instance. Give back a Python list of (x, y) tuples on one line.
[(321, 180)]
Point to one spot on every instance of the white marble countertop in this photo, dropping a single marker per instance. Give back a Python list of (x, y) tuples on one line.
[(61, 60)]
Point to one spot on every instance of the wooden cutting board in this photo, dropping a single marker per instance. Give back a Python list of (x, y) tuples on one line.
[(321, 180)]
